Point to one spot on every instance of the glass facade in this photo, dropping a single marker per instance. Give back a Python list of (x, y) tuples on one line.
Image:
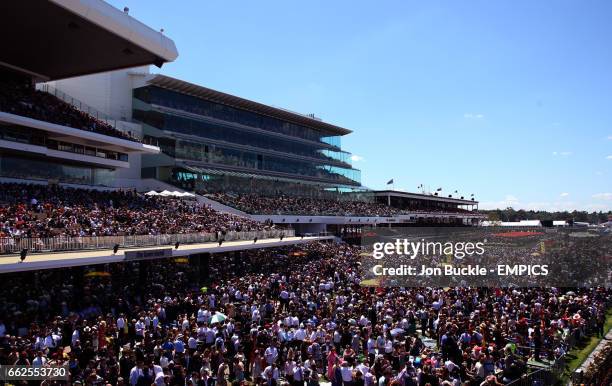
[(183, 102), (16, 166), (199, 132), (37, 137), (215, 181), (263, 141)]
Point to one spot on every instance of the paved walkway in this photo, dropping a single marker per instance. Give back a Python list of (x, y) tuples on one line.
[(11, 263)]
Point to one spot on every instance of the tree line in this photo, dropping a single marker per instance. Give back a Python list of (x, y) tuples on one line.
[(510, 214)]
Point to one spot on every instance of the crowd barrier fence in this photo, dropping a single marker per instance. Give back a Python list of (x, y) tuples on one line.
[(10, 245)]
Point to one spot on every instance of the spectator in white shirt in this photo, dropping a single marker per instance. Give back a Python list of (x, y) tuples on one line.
[(39, 360), (271, 354), (347, 373), (271, 374), (140, 329), (135, 373)]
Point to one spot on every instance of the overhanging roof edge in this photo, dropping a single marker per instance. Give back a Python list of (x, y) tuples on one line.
[(123, 25), (425, 197), (242, 103)]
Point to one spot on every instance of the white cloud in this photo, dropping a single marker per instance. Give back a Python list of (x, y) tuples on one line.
[(473, 116), (603, 196), (564, 194), (356, 158), (609, 157), (508, 201), (562, 153), (610, 137)]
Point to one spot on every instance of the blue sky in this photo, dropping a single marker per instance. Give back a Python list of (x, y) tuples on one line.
[(509, 100)]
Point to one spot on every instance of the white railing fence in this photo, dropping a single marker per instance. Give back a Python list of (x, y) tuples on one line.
[(61, 243)]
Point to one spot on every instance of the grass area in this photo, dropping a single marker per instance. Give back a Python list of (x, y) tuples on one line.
[(583, 349)]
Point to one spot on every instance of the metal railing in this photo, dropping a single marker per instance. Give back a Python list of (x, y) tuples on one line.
[(81, 106), (553, 373), (10, 245), (541, 377)]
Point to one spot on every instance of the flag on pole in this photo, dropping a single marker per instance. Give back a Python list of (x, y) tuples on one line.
[(390, 181), (439, 189)]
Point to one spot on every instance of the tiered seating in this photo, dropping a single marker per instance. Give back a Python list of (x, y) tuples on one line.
[(48, 211), (21, 99)]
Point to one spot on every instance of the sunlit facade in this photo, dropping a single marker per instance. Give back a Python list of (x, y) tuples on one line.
[(212, 141)]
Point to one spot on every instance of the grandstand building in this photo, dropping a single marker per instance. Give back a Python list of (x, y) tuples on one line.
[(117, 125), (63, 156), (42, 137), (103, 121), (223, 147), (211, 141)]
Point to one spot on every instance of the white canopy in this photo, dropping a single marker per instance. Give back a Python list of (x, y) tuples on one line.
[(185, 194), (167, 193)]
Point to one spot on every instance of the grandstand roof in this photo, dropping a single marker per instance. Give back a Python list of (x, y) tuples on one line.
[(421, 196), (244, 104), (53, 39)]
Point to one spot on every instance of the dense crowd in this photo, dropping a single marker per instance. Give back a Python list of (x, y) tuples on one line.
[(571, 257), (292, 316), (48, 211), (22, 99), (310, 206), (293, 205)]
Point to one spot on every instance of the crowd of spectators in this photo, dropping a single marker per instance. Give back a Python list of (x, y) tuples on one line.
[(23, 99), (292, 316), (310, 206), (30, 210), (294, 205)]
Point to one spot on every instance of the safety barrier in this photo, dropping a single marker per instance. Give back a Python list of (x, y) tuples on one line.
[(51, 244)]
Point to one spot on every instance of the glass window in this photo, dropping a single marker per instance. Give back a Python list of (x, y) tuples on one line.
[(195, 105), (46, 169)]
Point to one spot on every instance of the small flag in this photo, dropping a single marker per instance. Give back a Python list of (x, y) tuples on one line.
[(439, 189), (390, 181)]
